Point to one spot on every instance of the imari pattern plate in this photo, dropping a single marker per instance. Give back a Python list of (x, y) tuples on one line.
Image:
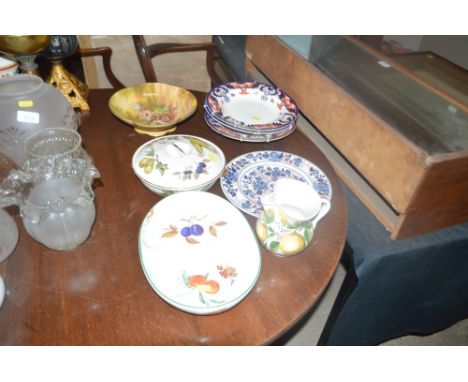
[(251, 105)]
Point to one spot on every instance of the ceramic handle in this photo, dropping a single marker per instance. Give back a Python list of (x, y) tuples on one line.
[(2, 291), (323, 211)]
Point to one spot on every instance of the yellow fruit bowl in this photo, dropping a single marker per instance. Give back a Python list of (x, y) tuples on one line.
[(153, 107)]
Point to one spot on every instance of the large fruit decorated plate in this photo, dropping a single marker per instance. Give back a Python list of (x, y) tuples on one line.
[(198, 252)]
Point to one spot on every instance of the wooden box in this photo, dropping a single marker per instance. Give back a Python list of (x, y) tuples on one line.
[(395, 128)]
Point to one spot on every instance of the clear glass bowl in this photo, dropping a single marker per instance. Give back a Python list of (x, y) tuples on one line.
[(50, 149)]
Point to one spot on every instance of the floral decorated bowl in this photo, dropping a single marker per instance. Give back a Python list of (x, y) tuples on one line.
[(7, 67), (179, 162), (153, 106)]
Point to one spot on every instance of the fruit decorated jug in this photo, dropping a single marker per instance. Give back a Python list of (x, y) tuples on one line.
[(290, 214)]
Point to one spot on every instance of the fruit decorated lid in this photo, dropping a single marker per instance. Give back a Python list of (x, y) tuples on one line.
[(178, 162)]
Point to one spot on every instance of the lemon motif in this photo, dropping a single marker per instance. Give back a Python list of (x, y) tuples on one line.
[(283, 217), (291, 243), (148, 167), (144, 162), (212, 157), (262, 231)]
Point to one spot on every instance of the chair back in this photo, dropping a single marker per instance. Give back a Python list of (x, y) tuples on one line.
[(146, 52), (106, 55)]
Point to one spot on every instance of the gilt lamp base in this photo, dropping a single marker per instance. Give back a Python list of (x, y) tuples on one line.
[(75, 91)]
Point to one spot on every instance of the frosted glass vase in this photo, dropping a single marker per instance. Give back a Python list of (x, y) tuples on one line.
[(54, 189)]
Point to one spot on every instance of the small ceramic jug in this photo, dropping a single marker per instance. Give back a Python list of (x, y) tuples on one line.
[(290, 215)]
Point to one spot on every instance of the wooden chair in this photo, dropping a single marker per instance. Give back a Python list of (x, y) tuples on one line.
[(105, 53), (146, 52)]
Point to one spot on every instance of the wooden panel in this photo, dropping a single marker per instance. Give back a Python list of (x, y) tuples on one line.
[(441, 199), (393, 165)]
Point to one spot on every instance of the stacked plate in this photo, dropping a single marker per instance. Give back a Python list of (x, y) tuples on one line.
[(250, 111)]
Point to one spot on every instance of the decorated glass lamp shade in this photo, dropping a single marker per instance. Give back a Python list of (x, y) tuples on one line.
[(27, 105), (60, 47)]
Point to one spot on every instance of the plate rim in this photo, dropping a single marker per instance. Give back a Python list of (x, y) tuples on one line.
[(248, 129), (263, 138)]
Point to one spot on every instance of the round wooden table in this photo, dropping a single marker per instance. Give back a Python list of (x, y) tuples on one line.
[(98, 294)]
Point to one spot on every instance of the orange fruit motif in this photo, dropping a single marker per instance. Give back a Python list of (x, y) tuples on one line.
[(213, 286), (200, 283), (196, 280)]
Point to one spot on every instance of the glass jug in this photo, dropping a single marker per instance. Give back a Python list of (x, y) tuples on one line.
[(53, 189)]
